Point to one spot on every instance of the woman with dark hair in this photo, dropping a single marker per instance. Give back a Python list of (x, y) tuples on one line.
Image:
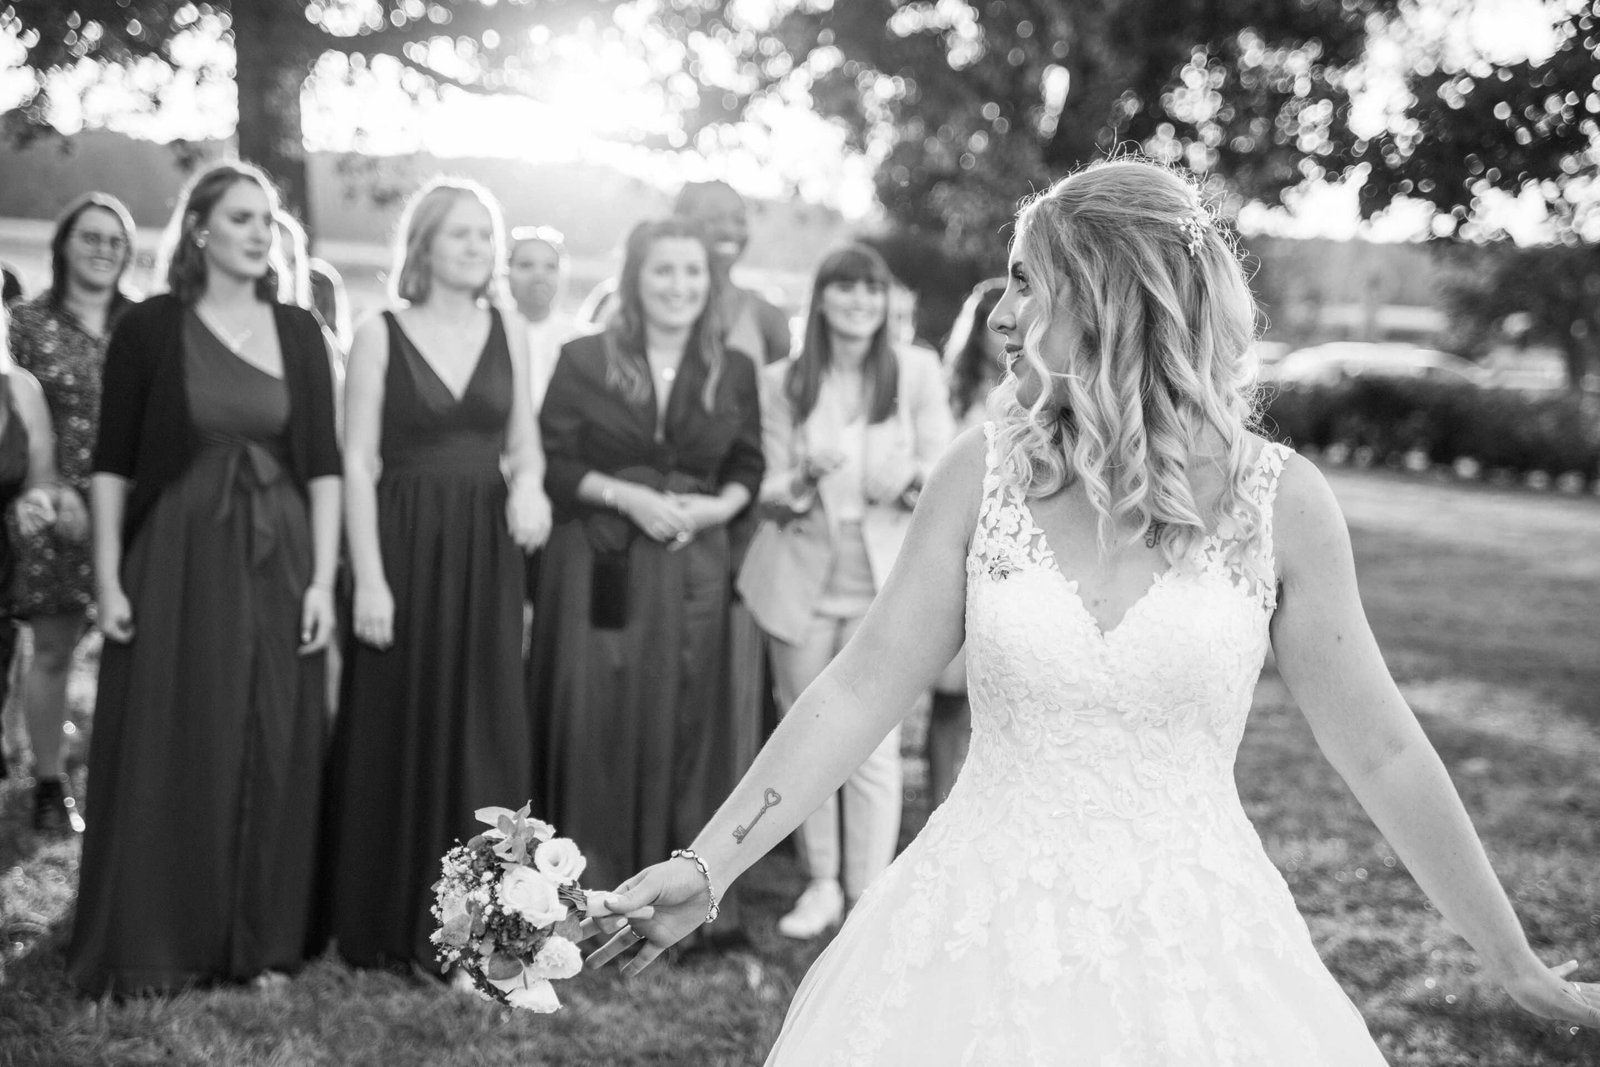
[(974, 363), (433, 719), (60, 337), (851, 427), (216, 528), (653, 437)]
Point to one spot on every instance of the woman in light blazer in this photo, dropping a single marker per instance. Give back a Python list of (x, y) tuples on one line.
[(850, 427)]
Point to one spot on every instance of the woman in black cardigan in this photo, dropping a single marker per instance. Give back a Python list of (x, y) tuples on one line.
[(652, 436), (216, 526)]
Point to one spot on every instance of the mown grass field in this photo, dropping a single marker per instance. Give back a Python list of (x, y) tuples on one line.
[(1487, 603)]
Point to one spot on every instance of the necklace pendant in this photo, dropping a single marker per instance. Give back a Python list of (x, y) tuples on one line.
[(668, 374)]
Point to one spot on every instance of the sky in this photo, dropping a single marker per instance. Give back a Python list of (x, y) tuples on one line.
[(601, 93)]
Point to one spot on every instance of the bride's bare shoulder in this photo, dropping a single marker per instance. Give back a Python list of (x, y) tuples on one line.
[(956, 485)]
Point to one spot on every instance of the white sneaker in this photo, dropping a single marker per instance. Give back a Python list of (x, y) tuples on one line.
[(821, 906)]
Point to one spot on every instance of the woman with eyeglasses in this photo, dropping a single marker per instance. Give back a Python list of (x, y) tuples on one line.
[(60, 337)]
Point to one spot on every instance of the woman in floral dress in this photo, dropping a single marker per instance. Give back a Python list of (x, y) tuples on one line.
[(60, 337)]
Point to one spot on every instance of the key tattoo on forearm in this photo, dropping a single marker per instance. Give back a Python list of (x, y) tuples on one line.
[(772, 798)]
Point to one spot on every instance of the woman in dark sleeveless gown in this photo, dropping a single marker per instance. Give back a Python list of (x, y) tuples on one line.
[(217, 446), (433, 722)]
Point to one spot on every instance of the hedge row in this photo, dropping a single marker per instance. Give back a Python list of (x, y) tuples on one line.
[(1499, 429)]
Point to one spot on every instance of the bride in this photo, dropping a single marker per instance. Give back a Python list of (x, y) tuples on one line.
[(1118, 550)]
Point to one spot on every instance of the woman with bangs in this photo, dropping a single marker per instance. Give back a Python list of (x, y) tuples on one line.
[(851, 426), (433, 722), (215, 511), (1118, 550), (652, 430)]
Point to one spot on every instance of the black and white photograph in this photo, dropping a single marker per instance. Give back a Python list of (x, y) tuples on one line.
[(803, 533)]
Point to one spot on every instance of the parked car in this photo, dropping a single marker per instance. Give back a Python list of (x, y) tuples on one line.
[(1337, 361)]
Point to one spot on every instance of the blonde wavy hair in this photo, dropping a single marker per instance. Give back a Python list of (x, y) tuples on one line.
[(420, 222), (1159, 319)]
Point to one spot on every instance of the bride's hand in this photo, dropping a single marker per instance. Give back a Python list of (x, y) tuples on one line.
[(658, 907), (1547, 993)]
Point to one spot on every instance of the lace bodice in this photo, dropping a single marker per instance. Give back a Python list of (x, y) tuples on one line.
[(1136, 724), (1091, 892)]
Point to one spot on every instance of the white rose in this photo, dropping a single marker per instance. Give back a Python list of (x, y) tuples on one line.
[(539, 996), (559, 860), (529, 994), (531, 895), (557, 958)]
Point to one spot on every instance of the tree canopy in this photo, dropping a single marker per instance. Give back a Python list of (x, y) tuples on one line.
[(970, 106), (1472, 129), (275, 43), (1470, 126), (965, 106)]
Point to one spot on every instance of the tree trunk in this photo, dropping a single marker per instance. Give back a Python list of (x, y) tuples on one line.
[(271, 67)]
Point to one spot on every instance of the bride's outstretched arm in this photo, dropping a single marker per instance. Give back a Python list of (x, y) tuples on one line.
[(1331, 663), (914, 628)]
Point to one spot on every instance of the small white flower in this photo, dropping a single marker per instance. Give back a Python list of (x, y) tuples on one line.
[(539, 996), (557, 958), (528, 993), (559, 860), (531, 895)]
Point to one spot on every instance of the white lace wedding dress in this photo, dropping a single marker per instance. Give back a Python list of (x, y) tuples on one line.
[(1091, 892)]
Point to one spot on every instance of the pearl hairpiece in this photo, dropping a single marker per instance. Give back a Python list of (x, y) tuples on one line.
[(1194, 229)]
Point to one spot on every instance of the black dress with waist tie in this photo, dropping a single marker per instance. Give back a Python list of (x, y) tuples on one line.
[(205, 767), (435, 726)]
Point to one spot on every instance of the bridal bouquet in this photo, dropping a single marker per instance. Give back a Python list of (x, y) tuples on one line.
[(509, 907)]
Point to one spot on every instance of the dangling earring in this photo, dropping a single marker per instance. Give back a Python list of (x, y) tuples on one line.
[(200, 239)]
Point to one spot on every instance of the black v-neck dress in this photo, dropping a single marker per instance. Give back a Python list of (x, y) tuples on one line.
[(209, 726), (435, 726)]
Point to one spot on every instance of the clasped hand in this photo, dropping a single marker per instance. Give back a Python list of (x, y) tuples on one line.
[(42, 507), (653, 910), (528, 515), (675, 517)]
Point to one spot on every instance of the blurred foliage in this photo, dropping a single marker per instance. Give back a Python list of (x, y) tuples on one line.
[(1471, 125), (1497, 428), (970, 106), (1541, 294), (275, 44), (1471, 129), (967, 106)]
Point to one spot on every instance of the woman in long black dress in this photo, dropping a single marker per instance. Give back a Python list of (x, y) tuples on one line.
[(216, 528), (433, 722), (652, 433)]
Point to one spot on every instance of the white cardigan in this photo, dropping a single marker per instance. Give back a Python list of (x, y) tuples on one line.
[(787, 567)]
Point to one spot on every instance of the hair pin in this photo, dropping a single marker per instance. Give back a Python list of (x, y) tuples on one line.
[(1194, 231)]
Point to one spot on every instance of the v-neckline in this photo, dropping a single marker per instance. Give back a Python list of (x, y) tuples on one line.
[(233, 352), (466, 387), (1050, 562)]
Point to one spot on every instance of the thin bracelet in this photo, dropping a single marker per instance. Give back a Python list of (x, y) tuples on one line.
[(713, 909)]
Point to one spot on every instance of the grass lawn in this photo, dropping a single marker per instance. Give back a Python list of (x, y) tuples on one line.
[(1487, 603)]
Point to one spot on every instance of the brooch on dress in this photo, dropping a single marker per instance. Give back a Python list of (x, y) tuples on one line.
[(1001, 568)]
